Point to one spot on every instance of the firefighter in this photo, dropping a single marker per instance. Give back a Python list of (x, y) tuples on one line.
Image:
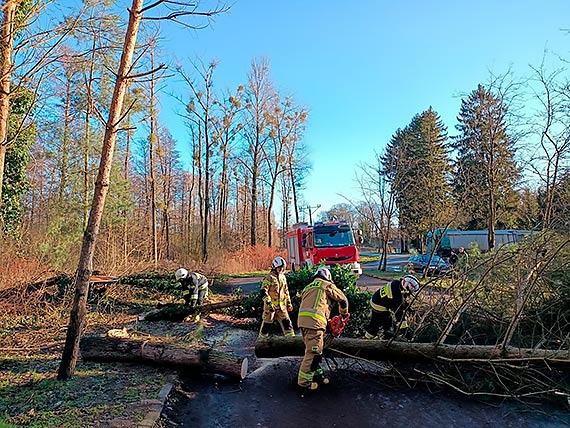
[(194, 287), (391, 297), (276, 300), (314, 312)]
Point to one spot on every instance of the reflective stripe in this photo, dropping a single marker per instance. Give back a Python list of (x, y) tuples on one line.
[(312, 314), (315, 284), (404, 325), (306, 376), (318, 299), (368, 336), (290, 333), (278, 302), (378, 307), (386, 291)]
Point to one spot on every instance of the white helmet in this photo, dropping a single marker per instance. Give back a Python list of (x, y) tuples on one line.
[(323, 272), (410, 283), (278, 262), (181, 274)]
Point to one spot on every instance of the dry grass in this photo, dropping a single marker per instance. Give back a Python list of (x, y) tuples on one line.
[(250, 259), (32, 338)]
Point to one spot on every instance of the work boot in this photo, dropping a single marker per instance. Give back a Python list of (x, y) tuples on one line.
[(320, 378), (311, 387)]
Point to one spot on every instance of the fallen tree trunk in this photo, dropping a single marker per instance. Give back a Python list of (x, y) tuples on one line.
[(279, 346), (105, 349), (177, 312)]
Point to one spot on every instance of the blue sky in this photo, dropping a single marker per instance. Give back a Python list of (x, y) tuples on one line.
[(365, 68)]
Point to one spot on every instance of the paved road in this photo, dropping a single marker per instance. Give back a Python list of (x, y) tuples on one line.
[(268, 398), (394, 264), (251, 284)]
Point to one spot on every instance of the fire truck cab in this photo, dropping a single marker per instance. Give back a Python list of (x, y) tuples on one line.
[(331, 242)]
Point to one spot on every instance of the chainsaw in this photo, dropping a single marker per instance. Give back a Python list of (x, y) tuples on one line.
[(337, 324)]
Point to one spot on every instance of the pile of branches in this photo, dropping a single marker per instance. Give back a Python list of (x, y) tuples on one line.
[(517, 297), (48, 290)]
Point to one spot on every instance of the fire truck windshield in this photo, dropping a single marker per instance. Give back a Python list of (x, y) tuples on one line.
[(337, 237)]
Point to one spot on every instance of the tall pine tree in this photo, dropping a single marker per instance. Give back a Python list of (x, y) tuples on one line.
[(485, 170), (417, 164)]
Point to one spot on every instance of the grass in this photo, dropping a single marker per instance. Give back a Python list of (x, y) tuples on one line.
[(32, 342), (243, 274), (383, 274)]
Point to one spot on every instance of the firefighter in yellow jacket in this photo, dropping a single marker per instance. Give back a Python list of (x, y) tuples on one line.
[(314, 313), (276, 300)]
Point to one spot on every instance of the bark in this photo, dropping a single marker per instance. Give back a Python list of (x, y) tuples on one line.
[(278, 346), (7, 38), (153, 141), (176, 312), (79, 309), (108, 349)]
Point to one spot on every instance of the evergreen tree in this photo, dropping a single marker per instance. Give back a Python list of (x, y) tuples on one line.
[(417, 164), (485, 169)]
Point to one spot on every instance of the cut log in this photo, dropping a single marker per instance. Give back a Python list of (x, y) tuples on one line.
[(105, 349), (279, 346), (177, 312)]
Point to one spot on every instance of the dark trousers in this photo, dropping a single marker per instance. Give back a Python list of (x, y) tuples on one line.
[(380, 319)]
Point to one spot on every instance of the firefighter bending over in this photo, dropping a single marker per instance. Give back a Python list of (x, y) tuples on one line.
[(391, 297), (194, 287), (314, 312), (276, 300)]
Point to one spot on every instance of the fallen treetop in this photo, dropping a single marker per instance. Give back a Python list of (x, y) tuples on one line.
[(97, 348), (280, 346), (177, 312)]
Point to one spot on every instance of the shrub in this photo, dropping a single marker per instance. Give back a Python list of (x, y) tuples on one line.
[(344, 279)]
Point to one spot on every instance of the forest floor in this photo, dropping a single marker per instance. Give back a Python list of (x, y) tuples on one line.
[(116, 394)]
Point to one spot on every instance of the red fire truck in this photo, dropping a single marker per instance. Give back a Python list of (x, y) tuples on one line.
[(331, 242)]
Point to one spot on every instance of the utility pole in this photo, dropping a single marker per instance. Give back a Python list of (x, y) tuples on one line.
[(316, 207)]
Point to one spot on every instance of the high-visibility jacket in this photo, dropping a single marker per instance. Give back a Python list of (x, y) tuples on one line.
[(194, 282), (390, 297), (275, 286), (316, 301)]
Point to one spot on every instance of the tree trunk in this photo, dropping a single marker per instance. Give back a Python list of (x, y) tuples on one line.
[(7, 38), (77, 316), (108, 349), (278, 346), (177, 312)]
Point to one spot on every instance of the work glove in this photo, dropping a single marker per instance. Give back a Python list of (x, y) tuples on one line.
[(289, 307)]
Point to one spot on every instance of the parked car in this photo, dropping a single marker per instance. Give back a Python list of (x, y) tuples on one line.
[(419, 262)]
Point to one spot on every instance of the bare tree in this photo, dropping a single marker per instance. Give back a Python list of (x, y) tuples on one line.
[(287, 122), (199, 112), (379, 206), (175, 11), (554, 142), (227, 128), (260, 97)]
